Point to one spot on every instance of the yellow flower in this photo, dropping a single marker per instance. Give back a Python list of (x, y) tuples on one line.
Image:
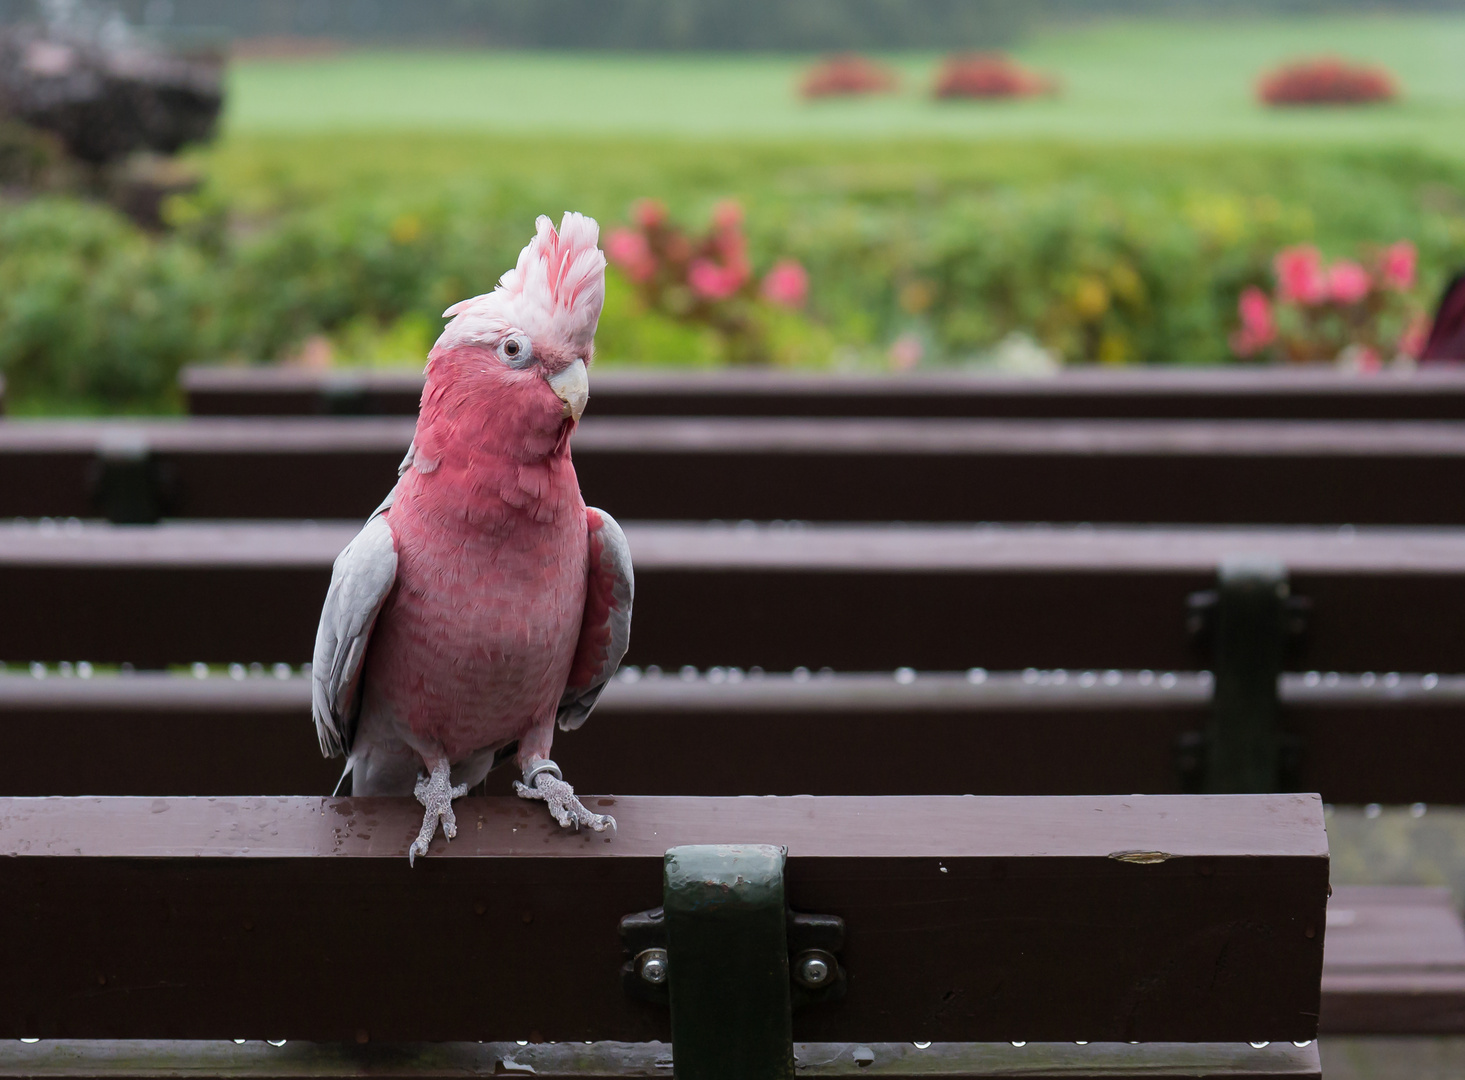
[(1114, 348), (1126, 283), (917, 297), (1091, 298), (407, 228)]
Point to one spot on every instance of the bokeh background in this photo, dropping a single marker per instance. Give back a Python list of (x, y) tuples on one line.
[(375, 162)]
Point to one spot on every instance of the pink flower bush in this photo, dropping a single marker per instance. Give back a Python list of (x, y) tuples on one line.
[(707, 279), (1348, 283), (1300, 275), (787, 284), (629, 250), (1258, 327), (1354, 312), (713, 282), (1396, 268)]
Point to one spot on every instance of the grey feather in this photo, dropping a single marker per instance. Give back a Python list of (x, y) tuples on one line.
[(615, 560), (361, 580)]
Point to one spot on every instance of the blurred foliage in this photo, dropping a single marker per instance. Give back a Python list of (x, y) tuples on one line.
[(1104, 255)]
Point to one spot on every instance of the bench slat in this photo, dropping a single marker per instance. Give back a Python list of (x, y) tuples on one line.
[(851, 598), (967, 918), (816, 470), (1436, 392), (1396, 962), (160, 734), (137, 1060)]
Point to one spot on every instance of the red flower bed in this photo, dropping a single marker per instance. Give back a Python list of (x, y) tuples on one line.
[(1326, 81), (989, 75), (1349, 310), (845, 76), (706, 279)]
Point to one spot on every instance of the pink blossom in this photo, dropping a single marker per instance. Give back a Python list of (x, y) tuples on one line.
[(713, 282), (1362, 358), (1348, 282), (649, 213), (1300, 275), (727, 215), (1258, 327), (629, 250), (1416, 335), (1397, 269), (906, 352), (787, 284)]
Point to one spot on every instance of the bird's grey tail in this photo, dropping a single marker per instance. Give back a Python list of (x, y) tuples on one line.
[(345, 775)]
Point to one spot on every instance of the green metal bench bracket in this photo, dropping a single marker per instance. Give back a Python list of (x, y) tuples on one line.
[(128, 484), (731, 960), (1247, 624)]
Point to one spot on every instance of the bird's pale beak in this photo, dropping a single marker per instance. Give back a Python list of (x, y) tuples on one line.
[(572, 386)]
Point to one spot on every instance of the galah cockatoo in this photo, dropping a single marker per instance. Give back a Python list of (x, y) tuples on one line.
[(483, 601)]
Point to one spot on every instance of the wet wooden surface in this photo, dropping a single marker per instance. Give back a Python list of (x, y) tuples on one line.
[(964, 916), (1436, 392), (1397, 740), (617, 1061), (851, 598), (1203, 472)]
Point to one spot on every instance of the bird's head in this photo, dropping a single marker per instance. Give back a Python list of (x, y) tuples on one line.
[(522, 351)]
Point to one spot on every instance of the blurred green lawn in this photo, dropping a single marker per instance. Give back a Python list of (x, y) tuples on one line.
[(1173, 81)]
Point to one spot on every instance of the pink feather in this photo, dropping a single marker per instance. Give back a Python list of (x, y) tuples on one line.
[(475, 644)]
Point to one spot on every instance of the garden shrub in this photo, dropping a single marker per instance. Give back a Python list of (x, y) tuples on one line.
[(847, 75), (93, 309), (989, 75), (1326, 81), (947, 250)]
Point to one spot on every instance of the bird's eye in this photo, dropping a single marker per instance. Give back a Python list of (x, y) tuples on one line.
[(516, 351)]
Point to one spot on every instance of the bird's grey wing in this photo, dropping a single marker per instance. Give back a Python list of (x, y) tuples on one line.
[(361, 580), (605, 630)]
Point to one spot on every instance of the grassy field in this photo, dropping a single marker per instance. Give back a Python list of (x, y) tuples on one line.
[(1169, 81), (351, 198)]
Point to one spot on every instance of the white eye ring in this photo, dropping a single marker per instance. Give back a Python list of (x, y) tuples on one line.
[(516, 351)]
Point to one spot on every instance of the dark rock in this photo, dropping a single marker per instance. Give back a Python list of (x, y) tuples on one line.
[(106, 103)]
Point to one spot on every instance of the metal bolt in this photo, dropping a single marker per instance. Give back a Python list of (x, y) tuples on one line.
[(651, 966), (814, 968)]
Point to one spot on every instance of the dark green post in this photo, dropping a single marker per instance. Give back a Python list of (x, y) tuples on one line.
[(126, 489), (1244, 744), (727, 962)]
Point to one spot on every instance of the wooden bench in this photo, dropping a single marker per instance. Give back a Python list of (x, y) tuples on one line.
[(850, 598), (1029, 922), (1014, 733), (213, 573), (1433, 393), (1396, 957), (1203, 472)]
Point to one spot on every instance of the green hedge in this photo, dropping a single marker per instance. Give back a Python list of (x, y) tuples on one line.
[(1121, 256)]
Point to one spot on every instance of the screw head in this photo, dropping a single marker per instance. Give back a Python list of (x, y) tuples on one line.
[(652, 967), (814, 968)]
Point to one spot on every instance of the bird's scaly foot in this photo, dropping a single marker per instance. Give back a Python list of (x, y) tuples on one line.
[(550, 788), (436, 794)]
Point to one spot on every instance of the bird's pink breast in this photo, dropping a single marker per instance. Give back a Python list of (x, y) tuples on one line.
[(475, 645)]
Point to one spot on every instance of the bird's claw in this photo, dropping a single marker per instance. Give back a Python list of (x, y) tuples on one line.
[(563, 804), (436, 794)]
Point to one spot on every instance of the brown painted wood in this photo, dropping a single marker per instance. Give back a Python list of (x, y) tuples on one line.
[(798, 469), (866, 598), (158, 734), (75, 1060), (966, 918), (1396, 962), (1436, 392)]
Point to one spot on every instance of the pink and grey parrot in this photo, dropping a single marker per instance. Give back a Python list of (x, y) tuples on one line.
[(483, 602)]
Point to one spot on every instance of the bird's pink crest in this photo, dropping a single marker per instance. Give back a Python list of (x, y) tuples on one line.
[(555, 292)]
